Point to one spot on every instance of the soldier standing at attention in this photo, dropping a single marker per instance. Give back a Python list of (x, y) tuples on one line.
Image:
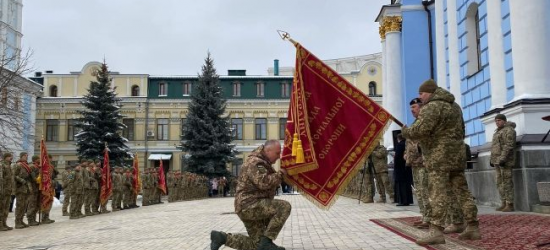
[(117, 190), (503, 158), (439, 128), (23, 188), (65, 178), (77, 189), (128, 180), (6, 188), (380, 161), (33, 196), (413, 157), (262, 215)]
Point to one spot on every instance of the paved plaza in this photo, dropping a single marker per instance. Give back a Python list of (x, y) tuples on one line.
[(187, 225)]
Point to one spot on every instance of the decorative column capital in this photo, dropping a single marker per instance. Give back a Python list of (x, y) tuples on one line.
[(382, 31), (392, 24)]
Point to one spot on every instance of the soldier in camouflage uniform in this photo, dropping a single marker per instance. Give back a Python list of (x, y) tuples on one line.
[(117, 190), (380, 160), (503, 158), (46, 211), (93, 195), (439, 129), (76, 182), (33, 203), (23, 188), (66, 189), (367, 194), (145, 187), (127, 188), (171, 185), (413, 158), (262, 215), (86, 178), (6, 188)]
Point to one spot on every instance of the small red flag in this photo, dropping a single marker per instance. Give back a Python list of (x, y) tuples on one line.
[(106, 182), (162, 178), (46, 169)]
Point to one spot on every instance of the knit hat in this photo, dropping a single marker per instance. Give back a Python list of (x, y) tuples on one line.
[(500, 117), (428, 86)]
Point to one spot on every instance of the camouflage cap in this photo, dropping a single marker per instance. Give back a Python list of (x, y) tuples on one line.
[(428, 86), (35, 157), (500, 117), (6, 155), (22, 153)]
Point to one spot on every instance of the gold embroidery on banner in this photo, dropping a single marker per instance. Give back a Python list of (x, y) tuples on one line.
[(304, 183), (323, 196)]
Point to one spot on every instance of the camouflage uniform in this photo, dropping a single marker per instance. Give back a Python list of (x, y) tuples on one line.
[(171, 186), (33, 203), (117, 190), (255, 205), (66, 179), (367, 194), (6, 188), (23, 189), (127, 189), (145, 188), (77, 198), (87, 196), (380, 161), (503, 157), (439, 129), (413, 157), (93, 194)]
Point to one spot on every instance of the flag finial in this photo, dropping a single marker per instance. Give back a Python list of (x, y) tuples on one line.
[(286, 36)]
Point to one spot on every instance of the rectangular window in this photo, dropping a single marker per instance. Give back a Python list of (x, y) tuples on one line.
[(162, 129), (128, 132), (236, 89), (162, 89), (186, 88), (285, 89), (260, 89), (237, 128), (52, 130), (261, 128), (71, 129), (16, 102), (282, 128)]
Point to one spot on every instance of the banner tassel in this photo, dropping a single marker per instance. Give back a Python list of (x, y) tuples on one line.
[(295, 144), (300, 153)]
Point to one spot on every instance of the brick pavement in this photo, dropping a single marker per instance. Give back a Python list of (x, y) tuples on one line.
[(186, 225)]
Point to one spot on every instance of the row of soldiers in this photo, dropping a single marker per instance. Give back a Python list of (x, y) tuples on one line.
[(186, 186), (22, 179), (363, 185)]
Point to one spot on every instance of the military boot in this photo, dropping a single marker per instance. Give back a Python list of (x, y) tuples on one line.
[(217, 239), (454, 228), (267, 244), (47, 219), (33, 222), (508, 208), (19, 224), (65, 213), (501, 207), (423, 225), (435, 236), (471, 232), (5, 225), (368, 200)]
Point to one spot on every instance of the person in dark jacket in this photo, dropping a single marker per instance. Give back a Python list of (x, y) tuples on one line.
[(402, 175)]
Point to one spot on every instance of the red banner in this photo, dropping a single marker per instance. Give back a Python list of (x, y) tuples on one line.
[(106, 182), (46, 169), (137, 179), (162, 179), (336, 126)]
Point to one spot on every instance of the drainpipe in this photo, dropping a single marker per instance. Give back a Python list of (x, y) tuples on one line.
[(146, 127), (427, 3)]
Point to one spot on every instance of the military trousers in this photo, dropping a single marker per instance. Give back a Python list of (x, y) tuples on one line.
[(367, 193), (66, 201), (420, 180), (76, 204), (265, 218), (439, 182), (21, 206), (505, 184), (5, 200), (454, 212), (384, 185), (89, 200)]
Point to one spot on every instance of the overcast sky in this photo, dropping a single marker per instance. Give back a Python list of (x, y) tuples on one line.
[(172, 37)]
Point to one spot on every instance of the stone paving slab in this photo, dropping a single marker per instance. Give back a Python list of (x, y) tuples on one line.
[(187, 225)]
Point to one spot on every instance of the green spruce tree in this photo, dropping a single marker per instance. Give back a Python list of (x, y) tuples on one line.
[(207, 138), (100, 122)]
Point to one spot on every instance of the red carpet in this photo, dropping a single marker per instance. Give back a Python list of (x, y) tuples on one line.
[(498, 232)]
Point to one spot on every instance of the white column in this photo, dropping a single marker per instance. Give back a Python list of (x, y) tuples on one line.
[(384, 75), (454, 65), (530, 24), (128, 86), (394, 89), (496, 54), (440, 45)]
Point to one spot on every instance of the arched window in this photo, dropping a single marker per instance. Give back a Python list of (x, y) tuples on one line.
[(53, 91), (135, 90), (372, 88), (472, 39)]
